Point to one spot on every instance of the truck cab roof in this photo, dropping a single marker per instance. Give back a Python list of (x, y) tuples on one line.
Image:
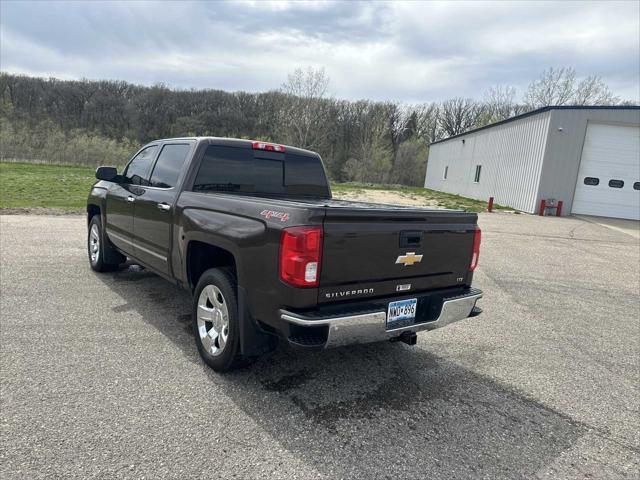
[(237, 142)]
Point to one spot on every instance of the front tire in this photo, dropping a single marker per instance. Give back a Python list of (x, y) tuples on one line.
[(100, 253), (215, 320)]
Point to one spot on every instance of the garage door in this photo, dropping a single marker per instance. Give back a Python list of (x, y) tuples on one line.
[(609, 177)]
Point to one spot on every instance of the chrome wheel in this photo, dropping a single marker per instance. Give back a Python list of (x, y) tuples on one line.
[(94, 244), (213, 320)]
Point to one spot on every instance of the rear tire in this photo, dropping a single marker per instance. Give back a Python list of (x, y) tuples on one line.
[(216, 323), (101, 254)]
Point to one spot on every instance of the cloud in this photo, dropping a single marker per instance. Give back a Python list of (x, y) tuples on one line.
[(400, 51)]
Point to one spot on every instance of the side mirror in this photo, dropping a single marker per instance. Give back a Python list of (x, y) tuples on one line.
[(106, 173)]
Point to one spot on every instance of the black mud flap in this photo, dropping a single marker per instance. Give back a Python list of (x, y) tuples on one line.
[(254, 341)]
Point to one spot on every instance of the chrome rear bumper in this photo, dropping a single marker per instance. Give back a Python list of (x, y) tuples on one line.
[(371, 326)]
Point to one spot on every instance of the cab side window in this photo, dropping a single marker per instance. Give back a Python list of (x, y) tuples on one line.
[(137, 172), (169, 165)]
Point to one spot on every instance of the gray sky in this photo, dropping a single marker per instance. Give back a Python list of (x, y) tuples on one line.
[(414, 52)]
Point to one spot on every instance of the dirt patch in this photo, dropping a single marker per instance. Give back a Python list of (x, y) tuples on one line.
[(383, 196), (40, 211)]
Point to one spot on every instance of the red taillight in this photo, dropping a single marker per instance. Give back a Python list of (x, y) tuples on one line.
[(476, 250), (300, 252), (270, 147)]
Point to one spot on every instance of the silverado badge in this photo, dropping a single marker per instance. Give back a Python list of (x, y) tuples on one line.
[(409, 259)]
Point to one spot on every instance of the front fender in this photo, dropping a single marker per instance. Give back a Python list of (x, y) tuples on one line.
[(97, 198)]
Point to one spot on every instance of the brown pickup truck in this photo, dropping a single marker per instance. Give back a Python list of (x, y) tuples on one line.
[(251, 230)]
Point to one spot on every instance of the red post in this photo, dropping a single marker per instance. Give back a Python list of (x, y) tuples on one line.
[(490, 206), (542, 207), (559, 208)]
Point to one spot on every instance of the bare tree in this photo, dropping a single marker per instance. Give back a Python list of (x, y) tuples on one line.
[(397, 120), (554, 87), (593, 91), (310, 83), (427, 119), (500, 103), (302, 115), (459, 115), (560, 87), (372, 156)]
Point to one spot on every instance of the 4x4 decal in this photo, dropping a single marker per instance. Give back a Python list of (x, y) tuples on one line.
[(271, 214)]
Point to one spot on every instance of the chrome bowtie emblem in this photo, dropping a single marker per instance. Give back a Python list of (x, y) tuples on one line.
[(409, 259)]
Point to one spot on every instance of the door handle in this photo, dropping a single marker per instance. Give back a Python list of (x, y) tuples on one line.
[(131, 199), (164, 206)]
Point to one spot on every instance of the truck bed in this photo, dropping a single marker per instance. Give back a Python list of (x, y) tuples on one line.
[(362, 243)]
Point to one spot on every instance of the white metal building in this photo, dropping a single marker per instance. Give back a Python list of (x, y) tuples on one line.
[(586, 157)]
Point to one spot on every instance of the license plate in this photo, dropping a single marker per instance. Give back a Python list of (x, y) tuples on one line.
[(401, 311)]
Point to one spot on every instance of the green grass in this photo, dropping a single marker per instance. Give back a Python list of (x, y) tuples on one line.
[(27, 185), (24, 185), (444, 200)]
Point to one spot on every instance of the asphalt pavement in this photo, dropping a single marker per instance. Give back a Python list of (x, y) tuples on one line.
[(100, 377)]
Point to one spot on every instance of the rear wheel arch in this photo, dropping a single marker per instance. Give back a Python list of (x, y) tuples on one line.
[(202, 256)]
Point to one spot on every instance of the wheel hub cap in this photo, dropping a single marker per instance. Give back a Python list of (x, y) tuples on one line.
[(213, 320), (94, 244)]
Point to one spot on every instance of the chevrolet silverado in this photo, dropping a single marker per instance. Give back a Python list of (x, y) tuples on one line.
[(251, 229)]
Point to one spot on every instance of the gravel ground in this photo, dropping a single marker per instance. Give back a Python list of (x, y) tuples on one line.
[(100, 377), (385, 196)]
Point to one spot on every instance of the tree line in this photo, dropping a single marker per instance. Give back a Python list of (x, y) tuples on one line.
[(96, 122)]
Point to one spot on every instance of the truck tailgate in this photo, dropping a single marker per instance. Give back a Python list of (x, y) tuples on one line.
[(370, 252)]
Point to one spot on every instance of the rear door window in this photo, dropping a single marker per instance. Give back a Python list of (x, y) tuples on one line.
[(169, 165), (137, 172)]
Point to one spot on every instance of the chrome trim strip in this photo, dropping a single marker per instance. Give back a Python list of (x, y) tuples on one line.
[(135, 245), (120, 237), (146, 250), (371, 327)]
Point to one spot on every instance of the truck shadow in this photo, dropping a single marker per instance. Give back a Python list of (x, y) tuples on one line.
[(369, 411)]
